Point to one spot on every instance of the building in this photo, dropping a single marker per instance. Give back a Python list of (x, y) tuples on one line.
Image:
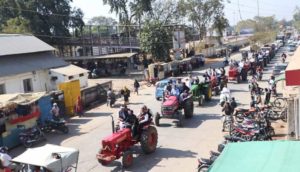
[(24, 64), (292, 91), (69, 73)]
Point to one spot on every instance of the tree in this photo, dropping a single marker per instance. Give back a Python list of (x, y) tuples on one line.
[(102, 20), (203, 13), (245, 24), (16, 25), (156, 40), (296, 18), (130, 11), (48, 19)]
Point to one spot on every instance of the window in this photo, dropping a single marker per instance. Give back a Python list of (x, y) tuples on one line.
[(71, 77), (27, 83), (81, 75), (2, 89)]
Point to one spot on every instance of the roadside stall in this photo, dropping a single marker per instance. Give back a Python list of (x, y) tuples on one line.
[(184, 65), (19, 110), (173, 68), (165, 70), (50, 157), (259, 156)]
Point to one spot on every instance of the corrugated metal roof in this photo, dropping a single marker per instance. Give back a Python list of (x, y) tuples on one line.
[(109, 56), (11, 44), (69, 70), (22, 63)]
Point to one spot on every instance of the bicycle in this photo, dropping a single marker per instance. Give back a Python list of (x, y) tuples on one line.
[(279, 102)]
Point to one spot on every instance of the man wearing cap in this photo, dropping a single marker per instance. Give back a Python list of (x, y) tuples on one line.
[(123, 114)]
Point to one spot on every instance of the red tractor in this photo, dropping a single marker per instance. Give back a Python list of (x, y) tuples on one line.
[(234, 74), (118, 144), (172, 108)]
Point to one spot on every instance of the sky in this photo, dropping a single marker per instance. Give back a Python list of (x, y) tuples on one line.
[(234, 11)]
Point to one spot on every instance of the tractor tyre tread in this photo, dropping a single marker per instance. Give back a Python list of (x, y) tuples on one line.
[(146, 147)]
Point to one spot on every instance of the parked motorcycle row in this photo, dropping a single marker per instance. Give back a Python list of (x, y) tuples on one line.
[(204, 164), (31, 136), (253, 124)]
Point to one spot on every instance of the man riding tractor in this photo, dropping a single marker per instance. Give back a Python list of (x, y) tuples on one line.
[(135, 130), (174, 103), (201, 91)]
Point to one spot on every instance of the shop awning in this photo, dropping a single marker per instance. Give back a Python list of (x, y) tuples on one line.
[(21, 98), (109, 56), (43, 157), (262, 156), (280, 77), (292, 72)]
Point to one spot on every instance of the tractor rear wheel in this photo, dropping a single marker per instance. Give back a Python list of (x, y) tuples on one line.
[(127, 159), (149, 140), (156, 119)]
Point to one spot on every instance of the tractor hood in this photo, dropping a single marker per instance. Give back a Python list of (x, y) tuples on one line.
[(172, 100)]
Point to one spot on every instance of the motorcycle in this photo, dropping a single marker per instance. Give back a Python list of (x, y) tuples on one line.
[(30, 136), (55, 125)]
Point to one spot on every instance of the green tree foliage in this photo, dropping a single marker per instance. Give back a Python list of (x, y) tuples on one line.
[(204, 14), (102, 20), (48, 19), (129, 11), (101, 24), (156, 40), (16, 25), (296, 18), (259, 24)]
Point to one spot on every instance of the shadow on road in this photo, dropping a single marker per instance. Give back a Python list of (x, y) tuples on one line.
[(95, 114), (197, 120), (144, 163)]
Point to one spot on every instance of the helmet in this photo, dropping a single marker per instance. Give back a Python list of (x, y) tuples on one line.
[(54, 104)]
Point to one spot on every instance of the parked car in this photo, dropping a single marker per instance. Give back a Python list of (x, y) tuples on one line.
[(278, 68), (291, 48), (159, 91)]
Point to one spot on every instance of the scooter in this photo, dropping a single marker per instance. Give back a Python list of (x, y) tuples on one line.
[(30, 136), (56, 125)]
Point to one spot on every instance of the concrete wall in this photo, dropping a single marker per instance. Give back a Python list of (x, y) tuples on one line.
[(14, 83)]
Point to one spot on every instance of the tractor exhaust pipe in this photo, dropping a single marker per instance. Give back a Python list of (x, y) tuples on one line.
[(112, 123)]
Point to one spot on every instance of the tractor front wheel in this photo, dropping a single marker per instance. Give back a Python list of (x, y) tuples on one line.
[(127, 159), (189, 110), (157, 118), (149, 140), (103, 162), (200, 100)]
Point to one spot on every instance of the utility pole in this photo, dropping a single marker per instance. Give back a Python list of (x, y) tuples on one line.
[(258, 8), (240, 10)]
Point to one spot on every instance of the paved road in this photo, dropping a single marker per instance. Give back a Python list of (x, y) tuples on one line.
[(178, 148)]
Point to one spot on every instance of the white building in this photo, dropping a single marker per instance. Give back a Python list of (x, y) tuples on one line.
[(24, 64), (69, 73)]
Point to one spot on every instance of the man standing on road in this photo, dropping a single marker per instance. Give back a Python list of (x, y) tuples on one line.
[(136, 87)]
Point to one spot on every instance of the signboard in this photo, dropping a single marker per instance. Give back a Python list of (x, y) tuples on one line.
[(178, 39)]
